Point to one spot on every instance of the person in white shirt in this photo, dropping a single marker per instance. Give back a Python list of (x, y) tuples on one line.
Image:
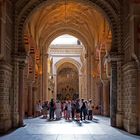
[(58, 110)]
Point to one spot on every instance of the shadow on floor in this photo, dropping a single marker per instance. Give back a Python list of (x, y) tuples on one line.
[(95, 120)]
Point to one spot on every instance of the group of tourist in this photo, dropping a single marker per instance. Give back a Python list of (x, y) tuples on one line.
[(70, 110)]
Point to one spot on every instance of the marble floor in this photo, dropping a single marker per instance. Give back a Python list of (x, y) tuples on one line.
[(41, 129)]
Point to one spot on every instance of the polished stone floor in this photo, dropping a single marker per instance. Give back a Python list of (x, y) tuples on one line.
[(40, 129)]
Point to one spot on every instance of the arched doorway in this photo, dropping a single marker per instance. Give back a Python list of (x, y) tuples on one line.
[(66, 49), (124, 53), (111, 11), (89, 37), (67, 82)]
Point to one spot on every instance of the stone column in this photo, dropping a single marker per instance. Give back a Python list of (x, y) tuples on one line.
[(106, 109), (30, 100), (34, 92), (135, 32), (55, 86), (14, 95), (130, 79), (113, 93), (119, 117), (40, 88), (21, 93), (92, 79), (89, 76), (80, 87), (5, 91), (139, 100), (45, 76), (2, 27), (98, 98)]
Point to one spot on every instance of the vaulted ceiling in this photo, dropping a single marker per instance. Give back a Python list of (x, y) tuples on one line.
[(81, 20)]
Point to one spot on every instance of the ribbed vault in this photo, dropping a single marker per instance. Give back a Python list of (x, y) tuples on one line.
[(80, 19)]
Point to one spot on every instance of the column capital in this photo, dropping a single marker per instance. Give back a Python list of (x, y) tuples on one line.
[(114, 56), (22, 60)]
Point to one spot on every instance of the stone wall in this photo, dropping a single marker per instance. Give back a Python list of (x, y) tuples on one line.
[(6, 46), (130, 97), (5, 91)]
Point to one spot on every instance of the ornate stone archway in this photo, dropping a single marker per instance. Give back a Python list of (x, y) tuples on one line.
[(59, 32), (125, 72), (112, 12), (69, 60), (110, 9)]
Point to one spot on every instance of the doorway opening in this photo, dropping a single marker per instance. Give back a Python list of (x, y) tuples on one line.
[(88, 52), (64, 66)]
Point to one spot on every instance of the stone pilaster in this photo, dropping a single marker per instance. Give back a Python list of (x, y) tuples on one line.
[(45, 76), (34, 92), (98, 97), (5, 91), (135, 22), (15, 95), (2, 27), (119, 117), (80, 87), (130, 97), (89, 76), (106, 108), (21, 93), (113, 93), (40, 95), (30, 99), (92, 78), (139, 101), (55, 86), (105, 83)]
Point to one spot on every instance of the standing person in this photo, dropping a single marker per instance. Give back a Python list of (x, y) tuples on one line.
[(86, 103), (81, 108), (45, 109), (58, 110), (68, 110), (65, 107), (52, 109), (73, 109), (90, 112), (77, 105)]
